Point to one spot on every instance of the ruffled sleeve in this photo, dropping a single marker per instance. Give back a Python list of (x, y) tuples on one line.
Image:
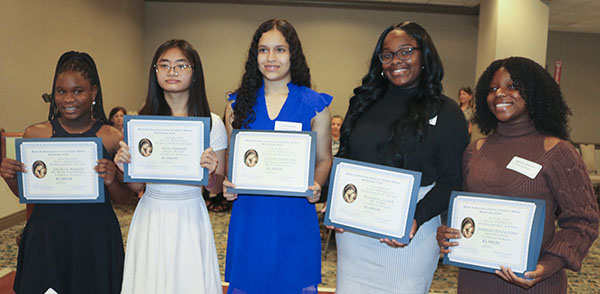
[(232, 97), (578, 214), (314, 100)]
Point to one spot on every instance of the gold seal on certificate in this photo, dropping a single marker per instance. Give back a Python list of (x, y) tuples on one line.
[(495, 230), (373, 200), (272, 162), (60, 170), (166, 149)]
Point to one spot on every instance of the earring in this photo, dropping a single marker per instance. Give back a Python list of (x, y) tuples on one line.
[(94, 102), (422, 67), (382, 74)]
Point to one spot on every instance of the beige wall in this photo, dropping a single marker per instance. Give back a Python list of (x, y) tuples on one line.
[(35, 33), (580, 80), (338, 43)]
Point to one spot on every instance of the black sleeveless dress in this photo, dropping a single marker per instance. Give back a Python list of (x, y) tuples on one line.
[(71, 248)]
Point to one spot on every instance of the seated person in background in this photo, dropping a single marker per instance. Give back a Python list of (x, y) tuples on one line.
[(116, 117), (336, 124)]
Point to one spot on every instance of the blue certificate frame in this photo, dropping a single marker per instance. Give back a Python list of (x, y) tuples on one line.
[(276, 175), (385, 197), (535, 236), (173, 139), (58, 180)]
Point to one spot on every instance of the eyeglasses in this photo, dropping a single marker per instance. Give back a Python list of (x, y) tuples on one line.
[(402, 54), (165, 68)]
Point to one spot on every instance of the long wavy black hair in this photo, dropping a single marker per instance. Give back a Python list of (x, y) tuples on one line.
[(544, 101), (84, 64), (252, 80), (197, 104), (410, 129)]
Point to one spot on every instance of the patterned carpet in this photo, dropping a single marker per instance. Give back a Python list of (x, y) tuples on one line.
[(586, 281)]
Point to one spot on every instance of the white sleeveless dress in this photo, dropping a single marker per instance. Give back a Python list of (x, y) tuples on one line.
[(170, 246)]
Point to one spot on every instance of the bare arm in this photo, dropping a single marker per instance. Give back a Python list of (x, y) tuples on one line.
[(10, 167), (123, 156), (215, 162), (113, 177), (321, 124), (229, 127)]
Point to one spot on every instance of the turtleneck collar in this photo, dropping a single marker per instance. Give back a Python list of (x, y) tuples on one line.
[(395, 91), (519, 129)]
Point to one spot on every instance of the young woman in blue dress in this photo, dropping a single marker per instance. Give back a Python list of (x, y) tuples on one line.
[(274, 242)]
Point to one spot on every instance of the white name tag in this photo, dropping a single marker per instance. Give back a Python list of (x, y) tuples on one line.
[(524, 166), (433, 121), (288, 126)]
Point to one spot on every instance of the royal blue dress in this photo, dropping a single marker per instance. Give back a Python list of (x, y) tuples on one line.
[(274, 244)]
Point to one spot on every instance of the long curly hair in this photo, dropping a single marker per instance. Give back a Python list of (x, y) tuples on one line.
[(252, 80), (197, 104), (410, 129), (82, 63), (544, 101)]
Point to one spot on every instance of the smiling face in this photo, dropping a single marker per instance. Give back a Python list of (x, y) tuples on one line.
[(174, 80), (504, 99), (402, 73), (74, 95), (336, 124), (464, 97), (274, 57)]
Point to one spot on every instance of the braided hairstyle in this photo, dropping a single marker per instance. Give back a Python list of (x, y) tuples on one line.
[(252, 80), (84, 64)]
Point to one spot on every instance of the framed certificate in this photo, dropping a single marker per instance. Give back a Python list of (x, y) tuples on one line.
[(496, 230), (371, 199), (60, 170), (280, 163), (166, 149)]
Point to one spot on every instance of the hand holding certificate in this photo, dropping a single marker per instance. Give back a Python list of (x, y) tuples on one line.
[(495, 231), (272, 162), (60, 170), (373, 200), (166, 149)]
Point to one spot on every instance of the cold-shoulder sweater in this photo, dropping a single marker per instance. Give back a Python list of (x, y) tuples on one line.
[(562, 182)]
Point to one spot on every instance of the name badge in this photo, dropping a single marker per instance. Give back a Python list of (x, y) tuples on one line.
[(433, 121), (524, 166), (288, 126)]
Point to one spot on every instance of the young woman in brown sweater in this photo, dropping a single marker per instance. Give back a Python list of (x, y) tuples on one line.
[(521, 108)]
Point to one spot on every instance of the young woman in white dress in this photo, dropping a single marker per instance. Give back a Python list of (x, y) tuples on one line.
[(170, 246)]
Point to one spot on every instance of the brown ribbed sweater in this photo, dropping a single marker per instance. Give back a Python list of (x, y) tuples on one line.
[(562, 182)]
